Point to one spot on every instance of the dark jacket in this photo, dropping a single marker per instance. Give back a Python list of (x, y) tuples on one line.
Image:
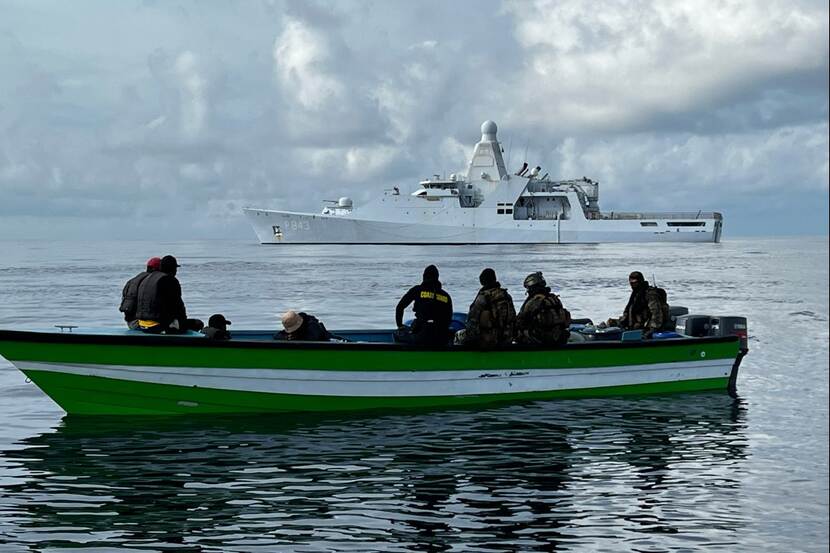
[(312, 330), (129, 296), (160, 299), (433, 306), (491, 319)]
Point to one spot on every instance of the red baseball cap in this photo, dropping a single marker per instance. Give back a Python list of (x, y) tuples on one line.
[(154, 263)]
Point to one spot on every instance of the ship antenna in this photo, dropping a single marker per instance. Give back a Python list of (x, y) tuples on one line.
[(509, 151), (654, 280)]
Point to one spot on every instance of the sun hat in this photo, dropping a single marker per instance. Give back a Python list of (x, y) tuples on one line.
[(291, 321)]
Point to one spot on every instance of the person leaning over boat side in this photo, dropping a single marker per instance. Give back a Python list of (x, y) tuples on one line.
[(160, 306), (492, 315), (646, 310), (217, 328), (302, 326), (129, 295), (433, 312), (542, 319)]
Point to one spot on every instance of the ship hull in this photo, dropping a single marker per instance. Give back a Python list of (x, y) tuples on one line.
[(118, 374), (285, 227)]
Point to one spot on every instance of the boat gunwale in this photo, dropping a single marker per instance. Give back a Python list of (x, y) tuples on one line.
[(201, 342)]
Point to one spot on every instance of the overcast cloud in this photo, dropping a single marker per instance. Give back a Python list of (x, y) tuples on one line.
[(153, 119)]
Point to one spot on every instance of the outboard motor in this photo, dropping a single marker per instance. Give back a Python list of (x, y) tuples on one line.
[(707, 325), (693, 325), (730, 326)]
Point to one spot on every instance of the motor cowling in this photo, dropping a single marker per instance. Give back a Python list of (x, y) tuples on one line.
[(708, 325)]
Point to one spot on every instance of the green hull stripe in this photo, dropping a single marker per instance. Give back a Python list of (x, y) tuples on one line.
[(92, 395), (360, 360)]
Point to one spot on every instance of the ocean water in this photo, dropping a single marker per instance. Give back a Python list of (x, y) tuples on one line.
[(686, 472)]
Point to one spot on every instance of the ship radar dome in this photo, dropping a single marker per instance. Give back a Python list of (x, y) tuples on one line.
[(488, 130)]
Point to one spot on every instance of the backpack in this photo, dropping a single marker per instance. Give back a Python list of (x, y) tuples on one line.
[(554, 314), (498, 316), (550, 323), (664, 308)]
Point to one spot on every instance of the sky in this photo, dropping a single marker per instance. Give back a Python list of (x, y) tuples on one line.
[(162, 119)]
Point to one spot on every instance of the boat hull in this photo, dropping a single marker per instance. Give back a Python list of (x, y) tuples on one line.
[(460, 227), (95, 375)]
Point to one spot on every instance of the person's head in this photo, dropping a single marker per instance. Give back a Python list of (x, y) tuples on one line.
[(153, 264), (431, 273), (636, 279), (534, 281), (218, 321), (291, 321), (168, 265), (487, 277)]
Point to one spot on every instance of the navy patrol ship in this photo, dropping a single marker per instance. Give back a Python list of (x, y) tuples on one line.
[(486, 205)]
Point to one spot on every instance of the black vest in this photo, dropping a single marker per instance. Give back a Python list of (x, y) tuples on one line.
[(160, 299)]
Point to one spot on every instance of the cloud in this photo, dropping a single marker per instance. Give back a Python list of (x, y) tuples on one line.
[(194, 103), (612, 66), (173, 112), (301, 55)]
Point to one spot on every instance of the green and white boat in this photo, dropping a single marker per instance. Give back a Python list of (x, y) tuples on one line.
[(130, 373)]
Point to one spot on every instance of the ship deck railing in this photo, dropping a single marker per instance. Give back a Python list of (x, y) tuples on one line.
[(646, 215)]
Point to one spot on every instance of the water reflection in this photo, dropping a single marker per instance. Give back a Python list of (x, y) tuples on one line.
[(651, 473)]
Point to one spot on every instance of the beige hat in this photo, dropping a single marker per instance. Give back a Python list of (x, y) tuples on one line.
[(291, 321)]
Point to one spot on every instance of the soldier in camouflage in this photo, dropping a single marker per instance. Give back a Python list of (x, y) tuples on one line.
[(492, 316), (542, 319), (646, 310)]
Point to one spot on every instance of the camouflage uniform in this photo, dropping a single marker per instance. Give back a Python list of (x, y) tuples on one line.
[(491, 319), (543, 320), (645, 311)]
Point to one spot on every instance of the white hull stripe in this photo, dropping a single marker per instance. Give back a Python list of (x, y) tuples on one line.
[(398, 383)]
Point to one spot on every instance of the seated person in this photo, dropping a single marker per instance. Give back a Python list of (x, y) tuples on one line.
[(217, 328), (433, 312), (492, 316), (129, 296), (302, 326), (159, 302), (646, 310), (542, 320)]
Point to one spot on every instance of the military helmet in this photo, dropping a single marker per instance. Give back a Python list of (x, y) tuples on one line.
[(534, 279)]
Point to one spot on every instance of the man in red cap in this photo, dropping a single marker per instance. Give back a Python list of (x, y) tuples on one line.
[(129, 296)]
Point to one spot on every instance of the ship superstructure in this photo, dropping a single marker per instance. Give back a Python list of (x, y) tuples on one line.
[(487, 205)]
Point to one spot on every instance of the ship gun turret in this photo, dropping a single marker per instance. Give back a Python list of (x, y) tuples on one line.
[(341, 206)]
